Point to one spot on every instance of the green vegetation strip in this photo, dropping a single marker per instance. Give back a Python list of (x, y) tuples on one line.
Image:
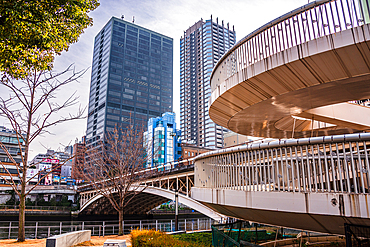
[(146, 238), (202, 238)]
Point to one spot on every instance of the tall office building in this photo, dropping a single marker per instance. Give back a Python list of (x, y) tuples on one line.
[(201, 47), (131, 78)]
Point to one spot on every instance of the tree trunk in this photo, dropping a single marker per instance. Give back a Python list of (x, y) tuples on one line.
[(120, 216), (22, 217)]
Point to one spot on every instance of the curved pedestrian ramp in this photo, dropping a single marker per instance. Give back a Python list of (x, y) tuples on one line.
[(303, 75)]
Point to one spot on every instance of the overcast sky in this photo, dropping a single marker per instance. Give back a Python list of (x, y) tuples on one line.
[(168, 17)]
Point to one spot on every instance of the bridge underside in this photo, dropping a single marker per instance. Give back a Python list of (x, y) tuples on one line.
[(140, 204), (301, 221), (317, 212), (150, 198), (278, 96)]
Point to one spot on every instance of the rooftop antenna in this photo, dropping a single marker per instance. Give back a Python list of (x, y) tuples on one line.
[(133, 19), (122, 16)]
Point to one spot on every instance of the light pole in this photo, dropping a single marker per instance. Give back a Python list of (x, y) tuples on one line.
[(176, 210)]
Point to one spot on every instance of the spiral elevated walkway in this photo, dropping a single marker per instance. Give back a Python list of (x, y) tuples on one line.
[(295, 69), (301, 75)]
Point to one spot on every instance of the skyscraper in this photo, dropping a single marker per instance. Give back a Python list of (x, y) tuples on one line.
[(163, 140), (201, 47), (131, 78)]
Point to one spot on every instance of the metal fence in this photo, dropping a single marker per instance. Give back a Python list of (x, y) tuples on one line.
[(35, 208), (44, 229), (172, 211), (319, 164), (242, 234), (311, 21), (357, 235)]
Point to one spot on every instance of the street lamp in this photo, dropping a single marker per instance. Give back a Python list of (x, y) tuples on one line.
[(176, 210)]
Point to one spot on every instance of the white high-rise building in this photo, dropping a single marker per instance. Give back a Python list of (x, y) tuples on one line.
[(202, 45)]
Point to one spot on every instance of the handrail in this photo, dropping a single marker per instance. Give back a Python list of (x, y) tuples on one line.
[(288, 143), (294, 28), (167, 167), (330, 164)]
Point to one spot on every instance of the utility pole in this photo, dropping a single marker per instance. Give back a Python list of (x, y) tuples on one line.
[(176, 210)]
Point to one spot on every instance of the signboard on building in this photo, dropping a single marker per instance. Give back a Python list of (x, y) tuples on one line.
[(56, 179), (44, 167), (31, 173), (48, 180), (51, 161)]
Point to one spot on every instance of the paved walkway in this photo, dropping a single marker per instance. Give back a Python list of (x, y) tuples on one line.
[(95, 241)]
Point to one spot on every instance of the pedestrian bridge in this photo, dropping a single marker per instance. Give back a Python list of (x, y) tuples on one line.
[(301, 75), (315, 184), (157, 190)]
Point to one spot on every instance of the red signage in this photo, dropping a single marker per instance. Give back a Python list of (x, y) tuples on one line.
[(51, 161)]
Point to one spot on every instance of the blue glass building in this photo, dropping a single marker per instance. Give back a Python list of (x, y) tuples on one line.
[(131, 80), (202, 45), (162, 140)]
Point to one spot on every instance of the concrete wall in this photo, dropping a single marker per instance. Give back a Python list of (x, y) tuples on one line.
[(69, 239)]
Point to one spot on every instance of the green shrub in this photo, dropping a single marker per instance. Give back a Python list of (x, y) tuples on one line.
[(204, 238), (29, 202), (151, 238)]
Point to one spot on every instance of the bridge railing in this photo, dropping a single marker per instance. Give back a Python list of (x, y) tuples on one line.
[(170, 166), (45, 229), (35, 208), (311, 21), (319, 164), (154, 171)]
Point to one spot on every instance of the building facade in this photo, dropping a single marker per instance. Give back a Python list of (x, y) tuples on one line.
[(49, 166), (191, 150), (78, 159), (10, 143), (162, 140), (235, 139), (131, 80), (201, 47)]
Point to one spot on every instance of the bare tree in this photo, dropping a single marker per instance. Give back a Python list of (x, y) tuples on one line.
[(115, 168), (30, 109)]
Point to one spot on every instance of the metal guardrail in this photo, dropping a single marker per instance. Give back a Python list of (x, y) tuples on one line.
[(167, 168), (168, 211), (44, 229), (35, 208), (311, 21), (319, 164), (50, 187)]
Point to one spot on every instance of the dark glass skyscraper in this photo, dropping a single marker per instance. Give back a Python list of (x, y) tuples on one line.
[(131, 80)]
